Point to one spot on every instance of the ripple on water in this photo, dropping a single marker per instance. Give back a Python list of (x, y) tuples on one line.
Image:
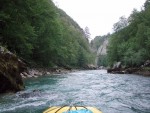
[(108, 92)]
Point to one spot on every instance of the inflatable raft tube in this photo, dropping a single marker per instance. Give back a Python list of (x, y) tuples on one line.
[(74, 109)]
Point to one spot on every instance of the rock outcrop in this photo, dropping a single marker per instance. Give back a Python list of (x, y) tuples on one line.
[(102, 50), (10, 68)]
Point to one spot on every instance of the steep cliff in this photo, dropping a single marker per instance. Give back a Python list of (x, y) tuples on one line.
[(99, 46), (101, 54), (102, 50)]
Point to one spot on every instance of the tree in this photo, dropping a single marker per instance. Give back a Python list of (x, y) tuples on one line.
[(41, 33), (102, 60), (122, 23), (147, 4), (17, 33), (130, 44), (87, 33)]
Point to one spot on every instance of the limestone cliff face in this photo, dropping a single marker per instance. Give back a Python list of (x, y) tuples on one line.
[(102, 50), (10, 68)]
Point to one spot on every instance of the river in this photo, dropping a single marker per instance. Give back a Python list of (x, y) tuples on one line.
[(111, 93)]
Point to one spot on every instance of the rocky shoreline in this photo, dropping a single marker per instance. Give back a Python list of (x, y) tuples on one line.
[(37, 72), (142, 70), (13, 70), (138, 71)]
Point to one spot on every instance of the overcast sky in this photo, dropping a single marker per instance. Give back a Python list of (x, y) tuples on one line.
[(98, 15)]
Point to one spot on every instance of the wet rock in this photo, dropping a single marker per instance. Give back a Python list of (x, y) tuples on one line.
[(36, 72), (33, 93), (10, 68), (32, 73)]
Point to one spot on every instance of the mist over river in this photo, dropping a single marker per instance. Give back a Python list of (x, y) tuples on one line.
[(111, 93)]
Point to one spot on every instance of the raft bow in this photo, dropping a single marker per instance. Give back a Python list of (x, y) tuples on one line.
[(72, 109)]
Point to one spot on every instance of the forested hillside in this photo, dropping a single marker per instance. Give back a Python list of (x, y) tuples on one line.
[(130, 43), (42, 34)]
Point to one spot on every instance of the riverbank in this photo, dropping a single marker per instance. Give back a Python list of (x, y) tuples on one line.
[(145, 71), (37, 72)]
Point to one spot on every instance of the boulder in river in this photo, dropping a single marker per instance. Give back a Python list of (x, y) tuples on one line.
[(10, 68)]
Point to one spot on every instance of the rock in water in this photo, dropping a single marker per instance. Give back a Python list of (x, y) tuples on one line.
[(10, 68)]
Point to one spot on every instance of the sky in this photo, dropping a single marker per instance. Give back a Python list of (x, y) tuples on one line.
[(98, 15)]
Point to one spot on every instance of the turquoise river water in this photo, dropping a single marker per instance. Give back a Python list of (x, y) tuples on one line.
[(111, 93)]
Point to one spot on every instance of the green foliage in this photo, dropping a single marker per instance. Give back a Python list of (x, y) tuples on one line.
[(123, 22), (131, 44), (76, 46), (42, 34), (102, 60), (16, 28)]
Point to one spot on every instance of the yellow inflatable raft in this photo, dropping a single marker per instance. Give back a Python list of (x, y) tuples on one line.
[(73, 109)]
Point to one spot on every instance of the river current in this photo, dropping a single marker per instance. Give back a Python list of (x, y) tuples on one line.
[(111, 93)]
